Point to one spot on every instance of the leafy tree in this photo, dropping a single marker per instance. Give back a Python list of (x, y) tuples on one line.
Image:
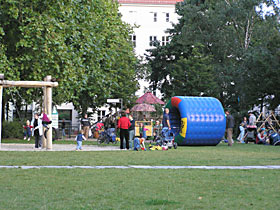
[(83, 44), (235, 40)]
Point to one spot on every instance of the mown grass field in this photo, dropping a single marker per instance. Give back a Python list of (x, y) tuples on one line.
[(142, 188)]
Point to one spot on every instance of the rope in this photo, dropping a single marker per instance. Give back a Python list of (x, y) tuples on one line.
[(14, 103)]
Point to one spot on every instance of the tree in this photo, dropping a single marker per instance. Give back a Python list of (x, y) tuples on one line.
[(83, 44), (236, 36)]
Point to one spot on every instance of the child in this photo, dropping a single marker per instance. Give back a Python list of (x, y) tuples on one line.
[(242, 132), (156, 130), (27, 132), (45, 119), (143, 130), (79, 138)]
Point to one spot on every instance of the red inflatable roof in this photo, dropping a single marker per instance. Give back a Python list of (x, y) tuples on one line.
[(149, 1)]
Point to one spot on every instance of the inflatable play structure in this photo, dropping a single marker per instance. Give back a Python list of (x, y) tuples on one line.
[(196, 121)]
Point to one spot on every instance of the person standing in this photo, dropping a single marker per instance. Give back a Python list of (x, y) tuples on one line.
[(123, 125), (229, 127), (166, 120), (63, 128), (37, 131), (85, 125), (252, 119), (131, 130)]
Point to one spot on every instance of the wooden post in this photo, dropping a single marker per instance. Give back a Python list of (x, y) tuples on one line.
[(49, 112), (44, 109)]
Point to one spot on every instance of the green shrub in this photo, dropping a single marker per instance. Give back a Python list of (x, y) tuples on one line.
[(12, 129)]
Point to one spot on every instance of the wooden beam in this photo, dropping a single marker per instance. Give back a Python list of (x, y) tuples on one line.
[(27, 84)]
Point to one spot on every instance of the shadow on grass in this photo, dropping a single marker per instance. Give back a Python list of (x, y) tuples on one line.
[(156, 202)]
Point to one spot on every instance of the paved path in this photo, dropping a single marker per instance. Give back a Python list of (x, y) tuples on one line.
[(56, 147), (151, 167)]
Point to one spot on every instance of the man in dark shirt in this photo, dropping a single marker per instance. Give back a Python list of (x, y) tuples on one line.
[(85, 125), (37, 130), (229, 127), (165, 119)]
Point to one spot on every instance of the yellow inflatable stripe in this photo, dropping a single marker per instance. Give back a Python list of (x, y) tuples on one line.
[(183, 127)]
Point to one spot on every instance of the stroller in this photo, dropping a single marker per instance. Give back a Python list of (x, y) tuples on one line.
[(274, 139), (166, 139), (251, 134), (107, 136)]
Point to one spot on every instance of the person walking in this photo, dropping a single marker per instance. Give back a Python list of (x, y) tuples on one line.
[(79, 138), (85, 125), (229, 127), (37, 130), (123, 125), (131, 130)]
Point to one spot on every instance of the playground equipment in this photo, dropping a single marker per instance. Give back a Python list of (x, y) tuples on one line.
[(197, 121), (47, 84)]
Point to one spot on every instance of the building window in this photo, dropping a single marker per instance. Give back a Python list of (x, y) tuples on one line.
[(167, 17), (153, 40), (133, 40), (164, 40), (155, 17), (65, 114)]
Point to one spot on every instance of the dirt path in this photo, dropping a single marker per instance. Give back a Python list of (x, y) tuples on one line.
[(56, 147)]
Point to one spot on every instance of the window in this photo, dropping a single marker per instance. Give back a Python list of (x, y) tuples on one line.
[(155, 17), (164, 40), (133, 40), (167, 17), (65, 114), (153, 40)]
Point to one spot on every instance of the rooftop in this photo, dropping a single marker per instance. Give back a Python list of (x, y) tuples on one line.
[(149, 1)]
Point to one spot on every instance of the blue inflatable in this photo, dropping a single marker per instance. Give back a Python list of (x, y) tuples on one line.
[(197, 121)]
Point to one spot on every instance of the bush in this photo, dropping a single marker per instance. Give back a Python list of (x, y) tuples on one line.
[(12, 130)]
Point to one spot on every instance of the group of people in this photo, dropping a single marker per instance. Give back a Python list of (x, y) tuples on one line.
[(35, 128), (262, 136)]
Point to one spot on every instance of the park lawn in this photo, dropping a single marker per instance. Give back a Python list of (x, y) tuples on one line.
[(237, 155), (138, 189)]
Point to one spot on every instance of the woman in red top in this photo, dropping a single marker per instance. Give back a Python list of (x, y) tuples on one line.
[(123, 125)]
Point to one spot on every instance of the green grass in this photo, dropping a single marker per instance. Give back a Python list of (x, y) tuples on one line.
[(142, 188), (138, 189), (238, 154)]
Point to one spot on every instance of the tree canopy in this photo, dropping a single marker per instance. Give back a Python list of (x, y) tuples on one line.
[(228, 49), (83, 44)]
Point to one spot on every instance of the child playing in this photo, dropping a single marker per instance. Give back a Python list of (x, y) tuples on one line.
[(45, 119), (79, 138), (27, 130)]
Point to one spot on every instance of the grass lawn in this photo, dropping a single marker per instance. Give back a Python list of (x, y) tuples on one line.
[(138, 189), (238, 154), (142, 188)]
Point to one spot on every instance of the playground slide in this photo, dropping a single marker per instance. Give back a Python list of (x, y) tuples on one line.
[(197, 121)]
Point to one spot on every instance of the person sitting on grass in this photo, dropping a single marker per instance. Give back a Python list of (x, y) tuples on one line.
[(261, 137), (79, 138), (27, 130)]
